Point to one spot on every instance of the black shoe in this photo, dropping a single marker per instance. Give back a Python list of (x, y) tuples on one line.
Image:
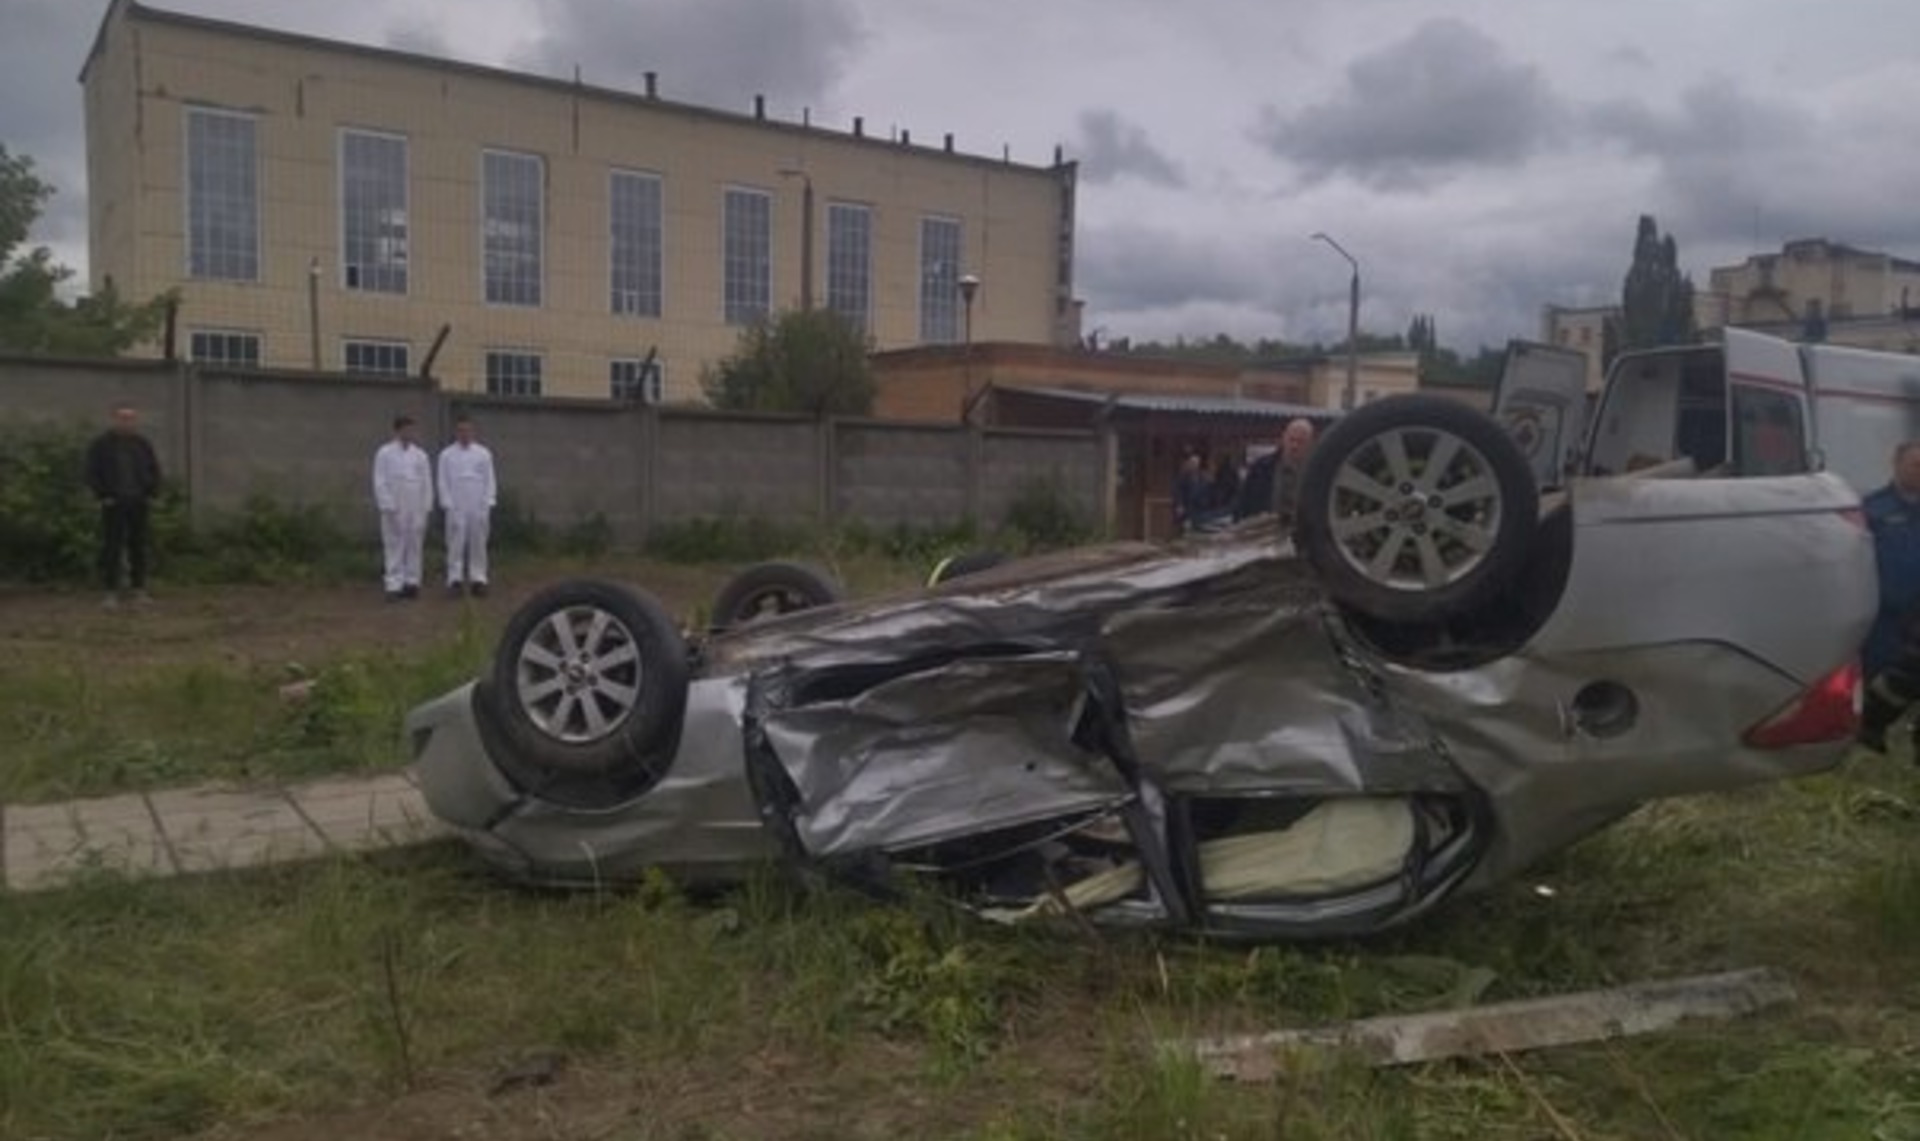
[(456, 590), (479, 590), (410, 591), (395, 595)]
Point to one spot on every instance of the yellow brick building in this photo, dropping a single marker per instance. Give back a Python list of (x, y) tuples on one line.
[(330, 204)]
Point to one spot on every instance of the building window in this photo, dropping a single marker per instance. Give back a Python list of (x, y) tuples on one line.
[(513, 373), (637, 381), (223, 196), (633, 233), (376, 358), (939, 280), (373, 212), (222, 347), (512, 220), (747, 255), (850, 262)]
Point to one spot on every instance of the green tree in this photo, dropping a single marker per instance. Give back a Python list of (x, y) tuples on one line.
[(804, 360), (1656, 299), (33, 317)]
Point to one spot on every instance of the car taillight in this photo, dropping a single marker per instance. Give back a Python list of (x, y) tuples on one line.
[(1828, 711)]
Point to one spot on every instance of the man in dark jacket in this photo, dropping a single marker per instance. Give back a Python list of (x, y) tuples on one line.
[(1891, 658), (1272, 486), (124, 475)]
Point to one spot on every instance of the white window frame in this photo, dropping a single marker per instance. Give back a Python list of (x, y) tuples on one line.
[(614, 174), (259, 347), (766, 196), (486, 371), (480, 234), (187, 114), (865, 321), (347, 344), (406, 204), (920, 271)]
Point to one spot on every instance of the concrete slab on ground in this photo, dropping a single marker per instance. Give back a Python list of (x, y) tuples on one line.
[(210, 829), (359, 814), (51, 844)]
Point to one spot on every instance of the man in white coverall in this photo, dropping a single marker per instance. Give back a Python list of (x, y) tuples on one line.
[(467, 493), (403, 490)]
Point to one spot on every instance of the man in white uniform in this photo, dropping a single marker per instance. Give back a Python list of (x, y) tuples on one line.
[(467, 493), (403, 490)]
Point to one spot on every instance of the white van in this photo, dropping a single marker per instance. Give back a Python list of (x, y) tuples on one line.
[(1745, 405)]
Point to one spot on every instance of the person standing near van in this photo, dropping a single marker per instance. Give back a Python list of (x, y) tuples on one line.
[(124, 475), (1891, 657), (467, 495), (403, 491)]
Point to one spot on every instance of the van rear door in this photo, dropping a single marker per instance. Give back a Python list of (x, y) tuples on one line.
[(1865, 404), (1769, 422), (1542, 401)]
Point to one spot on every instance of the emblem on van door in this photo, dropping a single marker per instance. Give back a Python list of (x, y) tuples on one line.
[(1523, 424)]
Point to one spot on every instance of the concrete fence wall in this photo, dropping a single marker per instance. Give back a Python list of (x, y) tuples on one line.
[(309, 438)]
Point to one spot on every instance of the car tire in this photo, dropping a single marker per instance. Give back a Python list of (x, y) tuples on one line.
[(960, 566), (1397, 539), (769, 589), (590, 679)]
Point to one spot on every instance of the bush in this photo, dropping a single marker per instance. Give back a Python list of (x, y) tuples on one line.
[(263, 544), (517, 530), (1043, 515)]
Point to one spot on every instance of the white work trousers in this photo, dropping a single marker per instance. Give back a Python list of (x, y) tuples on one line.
[(403, 535), (467, 545)]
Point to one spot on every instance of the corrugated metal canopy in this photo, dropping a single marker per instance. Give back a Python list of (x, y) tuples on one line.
[(1189, 405)]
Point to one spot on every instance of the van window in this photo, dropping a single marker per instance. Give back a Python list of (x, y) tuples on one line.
[(1769, 433)]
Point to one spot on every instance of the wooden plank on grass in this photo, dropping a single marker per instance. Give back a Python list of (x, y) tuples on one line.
[(1502, 1028)]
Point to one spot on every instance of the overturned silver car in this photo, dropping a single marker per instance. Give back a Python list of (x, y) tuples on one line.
[(1440, 676)]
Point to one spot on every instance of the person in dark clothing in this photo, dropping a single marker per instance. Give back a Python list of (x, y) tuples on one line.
[(1272, 485), (1891, 657), (124, 475), (1226, 485), (1189, 494)]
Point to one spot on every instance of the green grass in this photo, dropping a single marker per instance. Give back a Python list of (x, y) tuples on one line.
[(73, 730), (158, 1010)]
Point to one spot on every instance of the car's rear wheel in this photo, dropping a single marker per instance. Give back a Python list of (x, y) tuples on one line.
[(590, 679), (1415, 508), (769, 589), (959, 566)]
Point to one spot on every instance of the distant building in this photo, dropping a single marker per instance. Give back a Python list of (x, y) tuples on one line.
[(1158, 409), (1809, 279), (319, 202), (1584, 330)]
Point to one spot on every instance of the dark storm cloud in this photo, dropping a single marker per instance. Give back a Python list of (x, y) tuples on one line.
[(44, 45), (1733, 167), (1110, 147), (1447, 97), (719, 54)]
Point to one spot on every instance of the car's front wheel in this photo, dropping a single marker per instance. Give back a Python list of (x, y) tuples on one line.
[(1416, 508), (590, 680)]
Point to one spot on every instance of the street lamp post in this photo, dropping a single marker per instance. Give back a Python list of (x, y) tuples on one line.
[(969, 285), (1349, 398), (806, 234), (313, 309)]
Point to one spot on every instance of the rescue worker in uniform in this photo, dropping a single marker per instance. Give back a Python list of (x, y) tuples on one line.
[(403, 491), (1891, 659), (467, 495)]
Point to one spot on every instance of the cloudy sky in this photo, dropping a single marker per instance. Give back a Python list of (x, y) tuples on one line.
[(1480, 157)]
